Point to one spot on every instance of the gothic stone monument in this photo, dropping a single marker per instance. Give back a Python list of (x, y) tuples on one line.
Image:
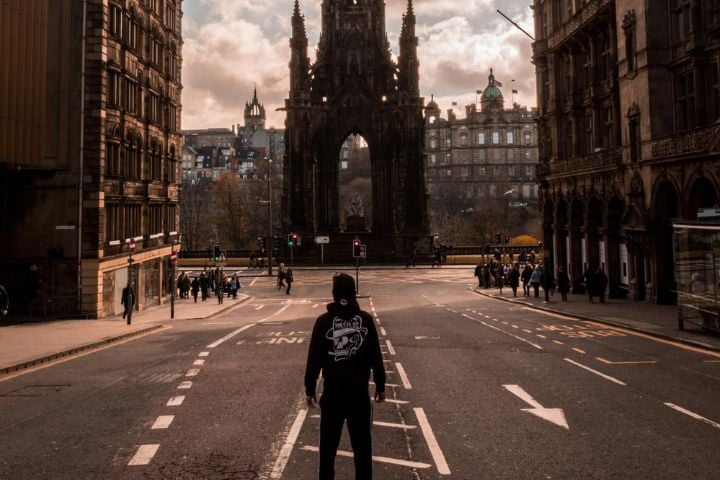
[(355, 87)]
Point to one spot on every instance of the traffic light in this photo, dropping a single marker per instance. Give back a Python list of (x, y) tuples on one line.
[(507, 239), (216, 253), (356, 248), (292, 240)]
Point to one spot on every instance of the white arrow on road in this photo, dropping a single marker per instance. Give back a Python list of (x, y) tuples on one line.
[(552, 415)]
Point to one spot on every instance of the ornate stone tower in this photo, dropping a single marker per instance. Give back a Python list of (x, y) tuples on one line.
[(355, 87), (254, 114)]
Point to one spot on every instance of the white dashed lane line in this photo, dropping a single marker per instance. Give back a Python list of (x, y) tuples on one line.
[(600, 374), (163, 422), (203, 354), (287, 448), (390, 347), (693, 415), (435, 451), (185, 386), (403, 376), (383, 332), (176, 401), (144, 455), (193, 372), (391, 461), (199, 363)]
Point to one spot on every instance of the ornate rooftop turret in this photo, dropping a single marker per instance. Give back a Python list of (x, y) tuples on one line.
[(255, 113), (492, 97)]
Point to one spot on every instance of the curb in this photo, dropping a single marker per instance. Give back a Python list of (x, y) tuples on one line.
[(610, 323), (76, 350)]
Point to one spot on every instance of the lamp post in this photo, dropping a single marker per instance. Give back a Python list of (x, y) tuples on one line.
[(270, 227), (130, 301), (173, 275)]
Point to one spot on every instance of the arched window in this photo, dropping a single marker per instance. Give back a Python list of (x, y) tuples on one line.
[(496, 137), (137, 158), (112, 154), (433, 142), (126, 155)]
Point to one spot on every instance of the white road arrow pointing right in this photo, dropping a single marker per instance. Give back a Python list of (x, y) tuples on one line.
[(552, 415)]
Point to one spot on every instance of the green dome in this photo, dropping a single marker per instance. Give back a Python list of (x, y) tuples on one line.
[(492, 92)]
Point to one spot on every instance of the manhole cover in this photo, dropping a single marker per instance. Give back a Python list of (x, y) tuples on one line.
[(35, 391)]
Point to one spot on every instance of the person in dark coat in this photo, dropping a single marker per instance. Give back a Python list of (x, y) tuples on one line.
[(281, 276), (346, 348), (289, 280), (486, 275), (186, 286), (526, 275), (195, 286), (548, 282), (563, 283), (601, 283), (514, 279), (128, 299), (204, 285), (589, 279), (479, 274)]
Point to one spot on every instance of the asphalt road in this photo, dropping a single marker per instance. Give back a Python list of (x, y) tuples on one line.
[(480, 389)]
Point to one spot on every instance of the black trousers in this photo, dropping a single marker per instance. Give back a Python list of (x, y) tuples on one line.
[(357, 410)]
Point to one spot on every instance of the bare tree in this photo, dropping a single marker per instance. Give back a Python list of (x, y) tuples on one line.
[(195, 211)]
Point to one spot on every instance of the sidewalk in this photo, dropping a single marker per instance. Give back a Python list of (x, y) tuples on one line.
[(30, 344), (657, 320)]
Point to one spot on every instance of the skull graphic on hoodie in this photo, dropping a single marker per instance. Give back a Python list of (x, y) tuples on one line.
[(347, 335)]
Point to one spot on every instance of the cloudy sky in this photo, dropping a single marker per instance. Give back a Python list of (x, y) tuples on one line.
[(231, 45)]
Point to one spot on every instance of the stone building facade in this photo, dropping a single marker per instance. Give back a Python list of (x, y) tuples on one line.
[(629, 99), (90, 151), (491, 153)]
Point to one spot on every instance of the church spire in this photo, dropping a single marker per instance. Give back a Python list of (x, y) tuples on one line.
[(299, 61), (409, 77)]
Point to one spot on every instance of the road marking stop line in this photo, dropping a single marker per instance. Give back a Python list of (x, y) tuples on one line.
[(392, 461)]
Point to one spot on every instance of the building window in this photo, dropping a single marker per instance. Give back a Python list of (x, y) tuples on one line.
[(510, 155), (447, 158), (114, 96), (510, 137), (528, 170), (433, 158), (112, 158), (634, 127), (481, 138), (448, 142), (605, 64), (133, 221), (481, 171), (116, 21), (609, 127), (497, 153), (155, 219), (463, 140), (171, 221), (496, 137), (685, 101), (112, 223), (511, 171), (464, 172), (528, 137), (630, 42), (481, 155), (433, 142), (714, 94), (683, 19)]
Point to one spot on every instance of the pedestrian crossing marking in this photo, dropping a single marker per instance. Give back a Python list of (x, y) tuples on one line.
[(392, 461)]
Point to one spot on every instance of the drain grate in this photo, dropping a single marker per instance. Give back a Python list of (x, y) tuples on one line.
[(35, 391)]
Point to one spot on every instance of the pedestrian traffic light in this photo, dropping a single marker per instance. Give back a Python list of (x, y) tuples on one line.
[(292, 240), (216, 252), (356, 248)]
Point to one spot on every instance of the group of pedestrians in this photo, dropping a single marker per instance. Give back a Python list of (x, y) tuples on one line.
[(215, 280), (534, 277)]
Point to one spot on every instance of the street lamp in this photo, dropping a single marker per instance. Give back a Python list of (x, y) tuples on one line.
[(270, 226)]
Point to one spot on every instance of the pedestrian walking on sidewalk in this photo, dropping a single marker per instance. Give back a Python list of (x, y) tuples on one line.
[(548, 282), (289, 280), (563, 283), (589, 279), (281, 276), (127, 299), (536, 279), (601, 283), (526, 274), (479, 274), (514, 279), (186, 286), (195, 286), (204, 285), (345, 346)]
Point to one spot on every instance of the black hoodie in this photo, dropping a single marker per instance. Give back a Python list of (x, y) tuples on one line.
[(346, 347)]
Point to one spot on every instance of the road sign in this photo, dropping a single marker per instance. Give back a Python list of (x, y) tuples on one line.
[(132, 245), (363, 251), (173, 258), (322, 240)]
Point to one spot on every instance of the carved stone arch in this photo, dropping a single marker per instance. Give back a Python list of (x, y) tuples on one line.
[(665, 199), (701, 191)]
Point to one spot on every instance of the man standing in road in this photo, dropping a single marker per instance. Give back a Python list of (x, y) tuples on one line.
[(345, 346)]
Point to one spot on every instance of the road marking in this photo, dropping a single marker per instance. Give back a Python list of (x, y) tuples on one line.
[(286, 449), (606, 377), (392, 461), (259, 307), (644, 362), (162, 422), (390, 347), (176, 401), (435, 451), (383, 332), (253, 282), (541, 336), (423, 337), (552, 415), (503, 331), (515, 326), (397, 402), (229, 336), (204, 354), (185, 386), (527, 331), (144, 455), (316, 305), (403, 376), (505, 323), (387, 384), (193, 372), (583, 352), (558, 342), (693, 415), (199, 363), (401, 426)]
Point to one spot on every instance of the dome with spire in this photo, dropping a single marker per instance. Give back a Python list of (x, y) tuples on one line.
[(433, 104), (492, 97)]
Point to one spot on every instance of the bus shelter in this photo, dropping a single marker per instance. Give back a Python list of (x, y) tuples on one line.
[(697, 273)]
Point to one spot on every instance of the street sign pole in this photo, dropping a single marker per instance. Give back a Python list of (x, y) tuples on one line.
[(322, 254), (131, 296), (357, 275), (292, 261)]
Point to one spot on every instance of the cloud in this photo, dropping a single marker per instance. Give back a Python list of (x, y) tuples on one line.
[(231, 45)]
